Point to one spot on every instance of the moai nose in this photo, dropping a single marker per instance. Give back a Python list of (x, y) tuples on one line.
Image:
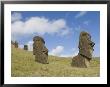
[(93, 44)]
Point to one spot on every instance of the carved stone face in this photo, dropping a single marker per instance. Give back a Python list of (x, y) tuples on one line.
[(39, 39), (39, 50), (38, 44), (86, 45)]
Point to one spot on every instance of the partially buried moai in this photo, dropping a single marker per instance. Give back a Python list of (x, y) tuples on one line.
[(25, 47), (85, 51), (16, 44), (39, 50)]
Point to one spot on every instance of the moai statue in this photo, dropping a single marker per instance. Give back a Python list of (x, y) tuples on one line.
[(12, 43), (39, 50), (85, 51), (25, 47), (16, 44)]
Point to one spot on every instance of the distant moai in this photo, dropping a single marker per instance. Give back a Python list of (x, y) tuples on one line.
[(39, 50), (25, 47), (85, 51), (16, 44), (12, 43)]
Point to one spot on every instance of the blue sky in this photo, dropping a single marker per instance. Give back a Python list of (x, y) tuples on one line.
[(60, 29)]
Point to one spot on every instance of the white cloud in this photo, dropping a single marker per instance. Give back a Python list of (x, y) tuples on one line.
[(86, 22), (75, 53), (57, 51), (80, 28), (66, 55), (16, 17), (21, 46), (80, 14), (39, 25), (64, 32), (30, 45), (69, 55)]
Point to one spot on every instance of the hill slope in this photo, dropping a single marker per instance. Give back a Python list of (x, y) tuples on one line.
[(23, 65)]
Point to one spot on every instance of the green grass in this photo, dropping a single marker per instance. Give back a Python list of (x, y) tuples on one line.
[(24, 65)]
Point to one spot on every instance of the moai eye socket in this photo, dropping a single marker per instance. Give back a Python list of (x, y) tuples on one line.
[(84, 34), (38, 40)]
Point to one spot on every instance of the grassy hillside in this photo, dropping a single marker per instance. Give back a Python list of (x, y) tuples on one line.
[(23, 65)]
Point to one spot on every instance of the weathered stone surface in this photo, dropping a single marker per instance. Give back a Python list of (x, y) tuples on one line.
[(25, 47), (39, 50), (85, 51), (80, 61)]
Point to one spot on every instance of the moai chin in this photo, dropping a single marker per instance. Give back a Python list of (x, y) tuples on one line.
[(85, 51), (25, 47), (39, 50)]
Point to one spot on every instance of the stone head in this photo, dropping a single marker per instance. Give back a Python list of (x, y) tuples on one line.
[(38, 41), (86, 45)]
